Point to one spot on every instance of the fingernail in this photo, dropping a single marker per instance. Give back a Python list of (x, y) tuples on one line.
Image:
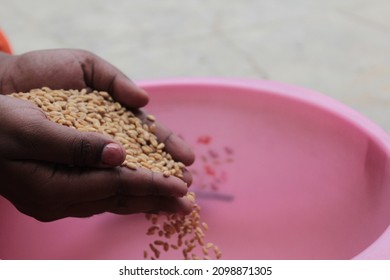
[(112, 155)]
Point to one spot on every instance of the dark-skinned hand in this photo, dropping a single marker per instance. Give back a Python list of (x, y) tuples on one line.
[(49, 171)]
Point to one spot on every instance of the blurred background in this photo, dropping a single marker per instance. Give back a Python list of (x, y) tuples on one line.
[(339, 48)]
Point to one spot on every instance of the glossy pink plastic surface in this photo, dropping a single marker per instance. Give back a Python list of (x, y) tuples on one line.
[(281, 173)]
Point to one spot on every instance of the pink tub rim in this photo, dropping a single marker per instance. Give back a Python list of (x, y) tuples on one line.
[(292, 92)]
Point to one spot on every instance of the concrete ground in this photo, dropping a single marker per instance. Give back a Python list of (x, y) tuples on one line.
[(340, 48)]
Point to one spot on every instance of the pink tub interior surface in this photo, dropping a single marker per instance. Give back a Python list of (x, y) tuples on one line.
[(281, 173)]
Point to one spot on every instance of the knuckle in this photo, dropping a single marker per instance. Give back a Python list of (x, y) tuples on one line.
[(118, 182), (83, 151), (153, 185)]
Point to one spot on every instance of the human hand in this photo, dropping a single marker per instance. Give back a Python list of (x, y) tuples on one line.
[(50, 171)]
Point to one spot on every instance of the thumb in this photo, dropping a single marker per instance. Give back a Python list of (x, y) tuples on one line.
[(48, 141)]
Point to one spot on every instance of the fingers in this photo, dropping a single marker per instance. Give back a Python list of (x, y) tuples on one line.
[(49, 192), (101, 75), (119, 205), (49, 183), (174, 145), (104, 183), (47, 141), (131, 205)]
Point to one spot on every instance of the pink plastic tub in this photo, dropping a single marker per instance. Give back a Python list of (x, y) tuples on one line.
[(281, 173)]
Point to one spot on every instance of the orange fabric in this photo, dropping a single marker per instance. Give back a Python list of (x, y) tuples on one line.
[(4, 44)]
